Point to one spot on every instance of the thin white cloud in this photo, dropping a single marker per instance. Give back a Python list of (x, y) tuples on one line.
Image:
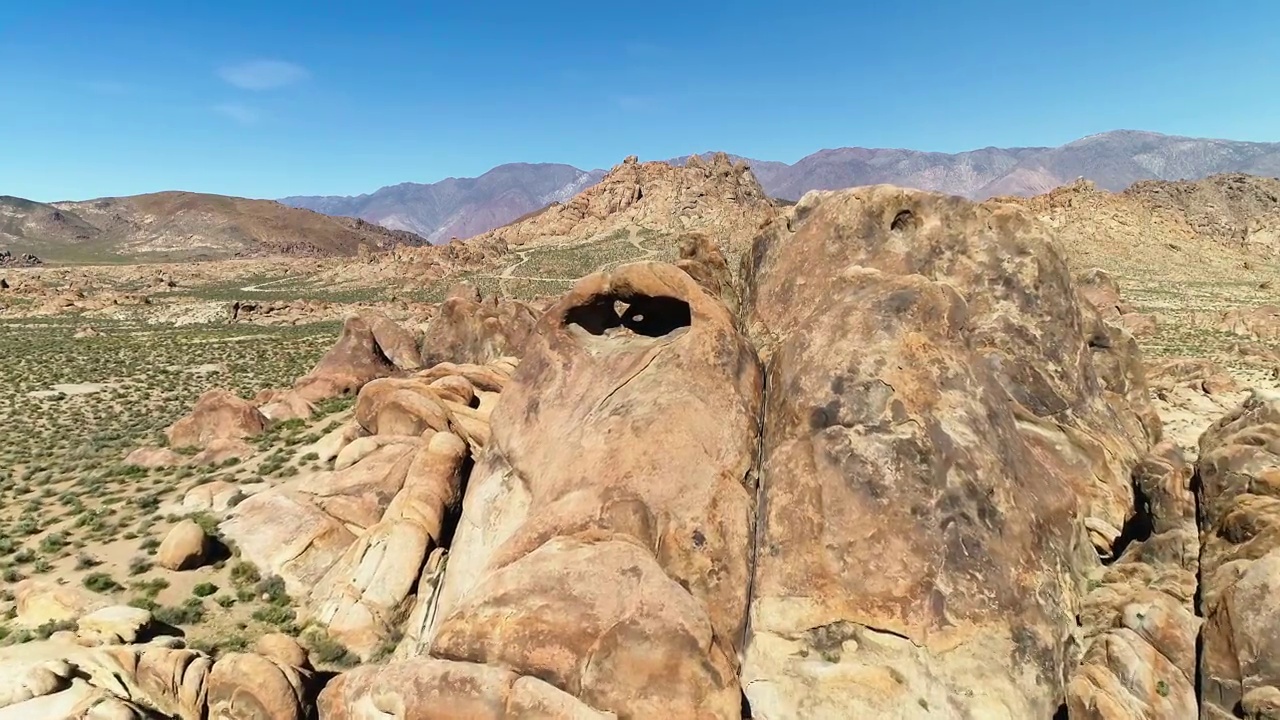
[(263, 74), (238, 112)]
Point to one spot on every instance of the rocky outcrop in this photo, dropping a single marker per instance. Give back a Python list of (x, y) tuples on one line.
[(151, 681), (1256, 323), (356, 359), (219, 416), (1099, 289), (9, 260), (466, 330), (364, 598), (622, 577), (702, 260), (1139, 623), (1239, 473), (717, 196), (351, 542), (937, 438)]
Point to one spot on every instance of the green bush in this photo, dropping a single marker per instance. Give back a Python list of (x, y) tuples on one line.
[(101, 582)]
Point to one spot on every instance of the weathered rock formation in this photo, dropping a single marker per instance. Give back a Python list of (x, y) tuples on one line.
[(718, 197), (1139, 624), (149, 681), (937, 440), (219, 417), (1099, 289), (622, 577), (356, 359), (351, 542), (1256, 323), (1239, 492), (467, 330)]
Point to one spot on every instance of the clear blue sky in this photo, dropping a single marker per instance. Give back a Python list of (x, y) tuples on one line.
[(282, 97)]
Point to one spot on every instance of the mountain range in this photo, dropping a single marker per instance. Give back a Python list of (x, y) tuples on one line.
[(182, 226), (460, 207), (1112, 160)]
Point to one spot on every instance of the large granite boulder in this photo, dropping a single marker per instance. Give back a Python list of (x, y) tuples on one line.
[(938, 445), (618, 573)]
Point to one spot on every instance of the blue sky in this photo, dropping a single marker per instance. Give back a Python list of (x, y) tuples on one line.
[(282, 97)]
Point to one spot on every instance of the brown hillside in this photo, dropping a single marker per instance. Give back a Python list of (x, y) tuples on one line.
[(182, 226)]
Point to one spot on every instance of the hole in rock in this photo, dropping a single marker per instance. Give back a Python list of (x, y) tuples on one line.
[(641, 314), (904, 221)]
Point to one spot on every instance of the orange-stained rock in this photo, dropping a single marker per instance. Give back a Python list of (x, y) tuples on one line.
[(619, 571), (219, 415), (244, 686), (465, 330), (1239, 493), (937, 436), (356, 359)]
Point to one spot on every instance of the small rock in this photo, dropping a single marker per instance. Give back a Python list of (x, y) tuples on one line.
[(153, 457), (185, 547), (115, 624), (282, 650)]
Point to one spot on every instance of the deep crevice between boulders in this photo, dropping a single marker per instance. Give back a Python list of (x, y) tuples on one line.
[(453, 515), (1198, 597), (1137, 528)]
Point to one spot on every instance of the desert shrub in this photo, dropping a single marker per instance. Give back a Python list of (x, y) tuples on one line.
[(100, 582)]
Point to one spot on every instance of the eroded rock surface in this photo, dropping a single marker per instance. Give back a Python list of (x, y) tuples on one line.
[(1239, 490), (1139, 623), (937, 439), (621, 577), (219, 416), (469, 330)]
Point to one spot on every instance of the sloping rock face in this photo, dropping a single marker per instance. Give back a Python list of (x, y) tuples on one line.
[(936, 440), (716, 196), (620, 575), (1239, 471)]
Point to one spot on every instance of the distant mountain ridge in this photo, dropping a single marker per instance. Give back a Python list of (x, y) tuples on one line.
[(459, 207), (464, 207), (182, 226)]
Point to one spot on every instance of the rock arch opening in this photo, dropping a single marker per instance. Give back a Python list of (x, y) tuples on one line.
[(647, 315)]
